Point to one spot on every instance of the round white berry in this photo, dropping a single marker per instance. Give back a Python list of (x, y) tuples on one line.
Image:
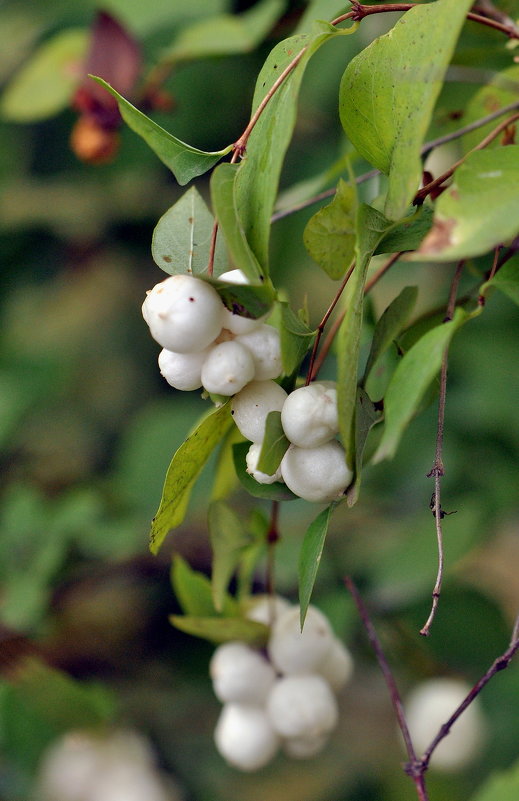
[(184, 313), (235, 322), (252, 458), (267, 608), (309, 416), (294, 651), (227, 369), (429, 706), (240, 674), (316, 474), (265, 347), (302, 706), (337, 666), (245, 737), (251, 406), (182, 370), (304, 747)]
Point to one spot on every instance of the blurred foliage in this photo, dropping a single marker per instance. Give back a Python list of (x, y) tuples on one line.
[(88, 427)]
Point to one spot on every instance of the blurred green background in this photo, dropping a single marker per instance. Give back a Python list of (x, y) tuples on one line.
[(88, 427)]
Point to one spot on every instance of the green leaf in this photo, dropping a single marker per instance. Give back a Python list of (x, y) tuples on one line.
[(388, 93), (223, 199), (184, 161), (390, 325), (296, 338), (270, 492), (411, 379), (226, 34), (479, 210), (500, 91), (274, 446), (371, 226), (502, 786), (258, 525), (228, 541), (182, 238), (310, 557), (366, 415), (506, 280), (223, 629), (194, 592), (409, 234), (225, 478), (44, 86), (329, 235), (183, 471), (258, 174), (245, 299)]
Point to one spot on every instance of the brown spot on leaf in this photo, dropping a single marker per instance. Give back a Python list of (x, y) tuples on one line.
[(439, 237), (167, 259), (190, 220)]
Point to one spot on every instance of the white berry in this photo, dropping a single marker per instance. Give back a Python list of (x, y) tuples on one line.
[(227, 369), (182, 370), (429, 706), (240, 674), (251, 406), (337, 666), (294, 651), (267, 608), (245, 737), (184, 313), (235, 322), (265, 347), (316, 474), (304, 747), (309, 416), (302, 706), (251, 460)]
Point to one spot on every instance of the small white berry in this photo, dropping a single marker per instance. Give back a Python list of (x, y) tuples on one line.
[(251, 460), (251, 406), (184, 313), (267, 608), (240, 674), (337, 666), (227, 369), (429, 706), (294, 651), (265, 347), (309, 416), (235, 322), (316, 474), (302, 706), (245, 737), (304, 747), (182, 370)]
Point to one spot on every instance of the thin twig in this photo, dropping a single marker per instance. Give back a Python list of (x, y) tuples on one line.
[(312, 369), (411, 768), (438, 470), (319, 359), (500, 663), (432, 185), (427, 147), (272, 539)]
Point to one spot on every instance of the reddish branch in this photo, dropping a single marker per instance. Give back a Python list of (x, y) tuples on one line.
[(437, 470)]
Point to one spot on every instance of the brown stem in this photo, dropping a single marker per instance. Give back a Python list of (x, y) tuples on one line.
[(319, 359), (312, 368), (438, 470), (272, 539), (498, 664), (413, 768), (432, 185)]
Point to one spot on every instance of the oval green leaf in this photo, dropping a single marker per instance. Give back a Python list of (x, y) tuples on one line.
[(310, 557), (223, 629)]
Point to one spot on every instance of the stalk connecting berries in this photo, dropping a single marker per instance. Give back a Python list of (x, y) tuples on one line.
[(284, 698)]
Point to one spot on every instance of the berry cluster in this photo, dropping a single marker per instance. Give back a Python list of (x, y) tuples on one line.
[(314, 466), (284, 697), (204, 343)]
